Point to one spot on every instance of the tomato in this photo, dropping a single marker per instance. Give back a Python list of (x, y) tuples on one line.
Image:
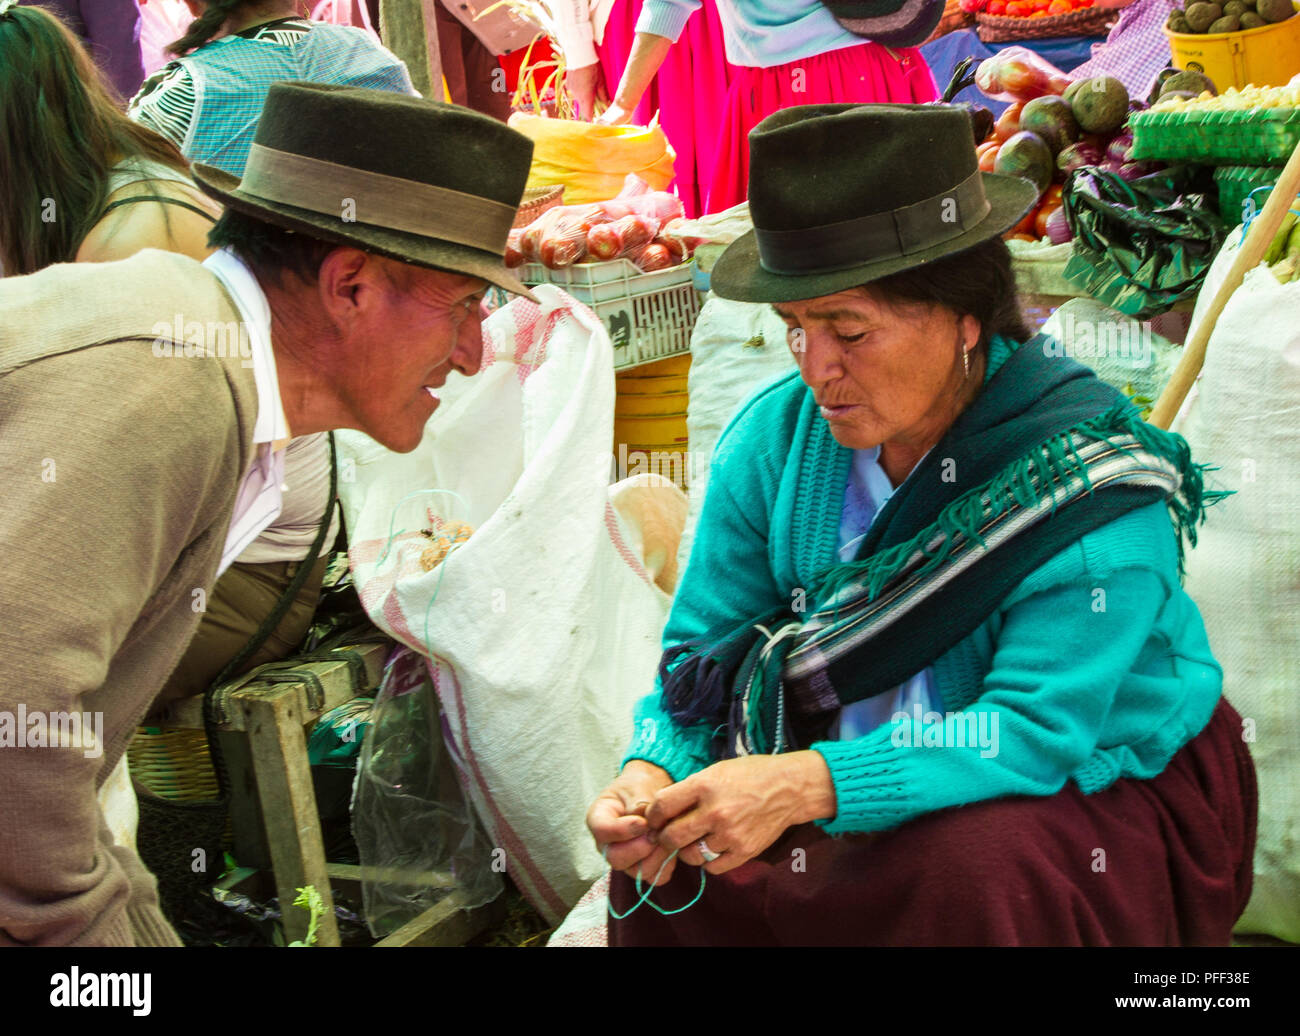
[(1044, 214), (987, 155), (1052, 196), (997, 7), (1022, 237), (1008, 124), (1020, 79), (1059, 7)]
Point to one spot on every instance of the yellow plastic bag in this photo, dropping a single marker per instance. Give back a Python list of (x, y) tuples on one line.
[(593, 161)]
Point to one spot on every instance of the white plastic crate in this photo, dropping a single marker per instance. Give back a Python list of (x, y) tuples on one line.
[(649, 316)]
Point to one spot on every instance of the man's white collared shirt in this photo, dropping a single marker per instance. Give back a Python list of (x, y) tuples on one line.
[(258, 502)]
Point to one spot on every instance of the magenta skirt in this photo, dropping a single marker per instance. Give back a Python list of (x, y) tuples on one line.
[(688, 93), (1160, 862), (707, 107), (866, 74)]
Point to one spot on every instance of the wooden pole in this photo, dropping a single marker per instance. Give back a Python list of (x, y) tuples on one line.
[(1258, 238), (409, 28)]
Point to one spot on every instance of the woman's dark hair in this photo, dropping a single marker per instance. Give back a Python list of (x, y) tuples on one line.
[(978, 281), (61, 132), (215, 14), (269, 251)]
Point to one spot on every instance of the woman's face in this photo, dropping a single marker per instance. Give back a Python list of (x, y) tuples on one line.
[(883, 373)]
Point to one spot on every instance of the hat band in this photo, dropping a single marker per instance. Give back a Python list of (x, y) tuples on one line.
[(360, 196), (882, 235)]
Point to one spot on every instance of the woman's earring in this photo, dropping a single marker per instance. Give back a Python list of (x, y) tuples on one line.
[(965, 358)]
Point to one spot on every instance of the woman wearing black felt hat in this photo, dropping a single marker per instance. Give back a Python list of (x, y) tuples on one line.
[(933, 605)]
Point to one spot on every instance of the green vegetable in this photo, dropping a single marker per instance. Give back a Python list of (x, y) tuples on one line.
[(1277, 247), (309, 898)]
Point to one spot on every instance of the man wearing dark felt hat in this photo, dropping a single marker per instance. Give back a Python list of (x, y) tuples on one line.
[(930, 677), (144, 407)]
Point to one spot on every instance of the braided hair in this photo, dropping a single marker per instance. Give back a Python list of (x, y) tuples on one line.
[(209, 23)]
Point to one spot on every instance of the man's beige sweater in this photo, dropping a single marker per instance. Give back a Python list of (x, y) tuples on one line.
[(118, 473)]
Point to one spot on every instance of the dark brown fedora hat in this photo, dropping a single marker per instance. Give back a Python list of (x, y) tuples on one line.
[(842, 195), (421, 181)]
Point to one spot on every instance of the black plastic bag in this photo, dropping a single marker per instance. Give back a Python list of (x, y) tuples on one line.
[(1142, 245)]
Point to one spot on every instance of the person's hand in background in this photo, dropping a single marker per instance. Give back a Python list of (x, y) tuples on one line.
[(586, 87)]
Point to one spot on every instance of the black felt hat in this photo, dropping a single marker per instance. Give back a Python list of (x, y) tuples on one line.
[(421, 181), (893, 23), (842, 195)]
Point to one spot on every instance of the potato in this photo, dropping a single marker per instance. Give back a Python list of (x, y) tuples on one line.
[(1250, 20), (1228, 23), (1274, 10), (1201, 16), (1235, 8)]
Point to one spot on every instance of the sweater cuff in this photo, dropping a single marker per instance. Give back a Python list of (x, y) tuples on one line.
[(679, 751), (663, 19), (871, 785)]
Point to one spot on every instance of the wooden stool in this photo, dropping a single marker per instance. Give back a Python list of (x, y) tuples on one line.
[(273, 803)]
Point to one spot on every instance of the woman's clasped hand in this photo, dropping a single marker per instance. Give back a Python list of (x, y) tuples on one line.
[(644, 822)]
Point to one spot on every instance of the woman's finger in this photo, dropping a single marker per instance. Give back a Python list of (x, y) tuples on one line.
[(655, 869), (672, 801), (625, 855)]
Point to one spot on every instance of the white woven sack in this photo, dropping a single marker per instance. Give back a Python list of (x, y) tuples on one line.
[(543, 628), (736, 348), (1245, 572)]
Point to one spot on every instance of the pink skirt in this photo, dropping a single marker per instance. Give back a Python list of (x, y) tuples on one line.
[(688, 92), (866, 74)]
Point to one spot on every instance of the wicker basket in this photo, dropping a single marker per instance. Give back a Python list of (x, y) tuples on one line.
[(173, 764), (1091, 21), (536, 201)]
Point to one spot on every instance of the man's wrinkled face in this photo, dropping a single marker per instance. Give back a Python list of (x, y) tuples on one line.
[(425, 324)]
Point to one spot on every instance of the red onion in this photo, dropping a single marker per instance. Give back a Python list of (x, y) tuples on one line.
[(1120, 149), (1076, 156), (1058, 227)]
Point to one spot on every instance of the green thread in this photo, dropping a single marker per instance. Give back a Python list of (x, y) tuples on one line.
[(643, 898)]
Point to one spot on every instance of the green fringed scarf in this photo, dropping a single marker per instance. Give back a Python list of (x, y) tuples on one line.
[(1045, 454)]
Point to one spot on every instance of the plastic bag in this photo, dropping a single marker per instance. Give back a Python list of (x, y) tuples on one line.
[(1140, 246), (543, 629), (736, 348), (419, 841), (1018, 74), (1245, 571), (591, 161)]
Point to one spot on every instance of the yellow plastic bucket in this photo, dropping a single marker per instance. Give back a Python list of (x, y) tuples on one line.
[(669, 404), (667, 430), (679, 364), (669, 384), (1257, 57)]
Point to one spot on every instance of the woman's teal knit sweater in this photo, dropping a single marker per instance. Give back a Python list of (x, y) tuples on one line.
[(1095, 667)]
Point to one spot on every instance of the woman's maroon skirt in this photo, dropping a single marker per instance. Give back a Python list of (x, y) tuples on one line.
[(1160, 862)]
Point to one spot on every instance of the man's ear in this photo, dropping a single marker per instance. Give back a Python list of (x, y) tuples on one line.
[(344, 276)]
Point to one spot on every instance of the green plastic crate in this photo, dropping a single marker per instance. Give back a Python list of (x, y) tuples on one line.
[(1259, 136), (1235, 183)]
